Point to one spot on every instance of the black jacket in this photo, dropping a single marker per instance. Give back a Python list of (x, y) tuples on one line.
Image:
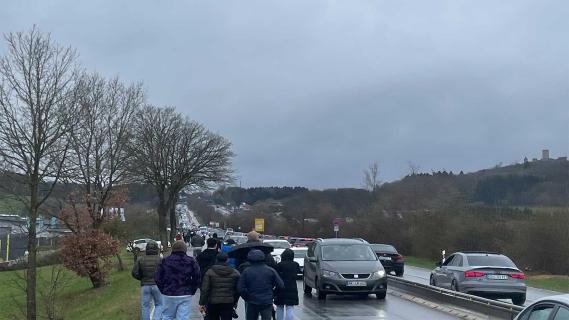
[(269, 260), (257, 282), (219, 285), (145, 266), (288, 271), (206, 259)]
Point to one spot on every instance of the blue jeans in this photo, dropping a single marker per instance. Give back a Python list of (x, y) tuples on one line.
[(177, 307), (281, 312), (148, 294)]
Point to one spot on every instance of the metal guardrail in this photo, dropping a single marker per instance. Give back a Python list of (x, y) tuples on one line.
[(491, 308)]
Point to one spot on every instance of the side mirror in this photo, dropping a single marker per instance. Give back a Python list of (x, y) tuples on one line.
[(312, 259)]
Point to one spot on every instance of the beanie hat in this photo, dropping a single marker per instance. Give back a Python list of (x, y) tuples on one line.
[(221, 257), (179, 246)]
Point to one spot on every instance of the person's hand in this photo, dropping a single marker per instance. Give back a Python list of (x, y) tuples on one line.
[(203, 309)]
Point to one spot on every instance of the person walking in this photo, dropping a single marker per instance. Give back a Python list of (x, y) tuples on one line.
[(206, 259), (256, 286), (178, 278), (144, 269), (253, 237), (287, 298), (219, 241), (197, 243), (218, 293)]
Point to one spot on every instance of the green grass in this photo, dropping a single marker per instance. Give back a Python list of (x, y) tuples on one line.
[(549, 282), (420, 262), (555, 283), (117, 301)]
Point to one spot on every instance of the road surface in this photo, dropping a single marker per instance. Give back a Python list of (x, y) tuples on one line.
[(422, 275), (351, 307)]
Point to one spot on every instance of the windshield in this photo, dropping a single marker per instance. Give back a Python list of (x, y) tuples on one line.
[(238, 239), (300, 253), (279, 244), (356, 252), (383, 248), (490, 260)]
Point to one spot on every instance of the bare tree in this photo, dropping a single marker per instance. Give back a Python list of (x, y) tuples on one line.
[(414, 168), (172, 152), (371, 177), (98, 155), (36, 92)]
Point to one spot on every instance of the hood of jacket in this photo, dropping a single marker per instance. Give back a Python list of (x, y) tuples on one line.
[(256, 256), (223, 270), (152, 248), (287, 255)]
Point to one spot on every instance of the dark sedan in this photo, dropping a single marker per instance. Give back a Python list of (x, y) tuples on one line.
[(391, 260)]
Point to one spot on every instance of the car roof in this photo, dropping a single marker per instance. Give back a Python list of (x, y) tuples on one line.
[(336, 241), (299, 248), (561, 298), (480, 253)]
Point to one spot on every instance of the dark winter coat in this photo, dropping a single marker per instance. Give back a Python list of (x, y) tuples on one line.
[(206, 259), (145, 266), (178, 275), (219, 285), (197, 241), (269, 260), (257, 282), (288, 270)]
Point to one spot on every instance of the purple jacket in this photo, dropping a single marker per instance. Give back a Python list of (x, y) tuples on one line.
[(178, 275)]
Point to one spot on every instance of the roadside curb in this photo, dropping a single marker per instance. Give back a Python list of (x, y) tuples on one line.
[(459, 313)]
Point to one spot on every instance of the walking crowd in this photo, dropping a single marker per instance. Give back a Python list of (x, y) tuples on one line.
[(170, 283)]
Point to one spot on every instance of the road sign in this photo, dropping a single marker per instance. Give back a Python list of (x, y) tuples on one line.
[(259, 225), (336, 228)]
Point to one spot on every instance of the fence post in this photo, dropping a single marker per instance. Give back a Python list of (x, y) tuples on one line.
[(8, 247)]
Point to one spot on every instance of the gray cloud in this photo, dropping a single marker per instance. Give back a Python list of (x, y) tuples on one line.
[(310, 92)]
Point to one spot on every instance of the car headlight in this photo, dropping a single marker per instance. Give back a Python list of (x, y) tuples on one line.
[(331, 274), (378, 274)]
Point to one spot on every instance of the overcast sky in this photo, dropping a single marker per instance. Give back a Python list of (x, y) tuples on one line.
[(311, 92)]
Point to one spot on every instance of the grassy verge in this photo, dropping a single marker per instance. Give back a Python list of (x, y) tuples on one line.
[(549, 282), (420, 262), (78, 300)]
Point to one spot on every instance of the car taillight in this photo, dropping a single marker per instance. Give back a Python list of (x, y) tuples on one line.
[(518, 275), (398, 257), (473, 274)]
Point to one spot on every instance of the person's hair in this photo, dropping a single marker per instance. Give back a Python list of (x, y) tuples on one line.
[(253, 236), (222, 257), (215, 235), (211, 242)]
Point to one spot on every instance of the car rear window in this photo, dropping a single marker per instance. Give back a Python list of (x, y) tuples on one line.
[(383, 248), (347, 253), (279, 244), (300, 253), (490, 260)]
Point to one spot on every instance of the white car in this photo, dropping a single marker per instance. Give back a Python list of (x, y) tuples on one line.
[(140, 245), (280, 246), (299, 253), (553, 307)]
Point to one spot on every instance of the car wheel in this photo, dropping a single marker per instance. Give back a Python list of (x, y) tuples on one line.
[(454, 286), (399, 273), (307, 288), (432, 281), (381, 295), (321, 295), (519, 300)]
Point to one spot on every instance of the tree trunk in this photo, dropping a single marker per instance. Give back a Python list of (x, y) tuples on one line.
[(173, 220), (162, 215), (31, 276), (97, 280), (121, 265)]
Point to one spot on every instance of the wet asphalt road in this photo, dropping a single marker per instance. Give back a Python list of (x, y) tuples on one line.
[(351, 307), (422, 275)]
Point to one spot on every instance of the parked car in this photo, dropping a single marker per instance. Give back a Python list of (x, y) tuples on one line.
[(140, 245), (391, 260), (280, 246), (548, 308), (343, 266), (238, 239), (302, 242), (299, 255), (486, 274)]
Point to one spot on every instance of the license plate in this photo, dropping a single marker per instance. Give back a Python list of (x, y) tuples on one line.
[(356, 284), (385, 258), (497, 277)]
